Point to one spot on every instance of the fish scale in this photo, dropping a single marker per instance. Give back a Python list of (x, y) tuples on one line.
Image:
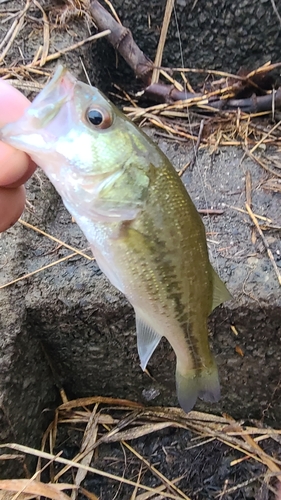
[(143, 228)]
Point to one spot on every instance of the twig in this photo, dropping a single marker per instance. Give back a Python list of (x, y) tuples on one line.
[(265, 242), (248, 187), (257, 216), (265, 136), (273, 467), (261, 163), (76, 250), (255, 104), (30, 86), (8, 34), (159, 124), (183, 169), (113, 11), (156, 472), (56, 55), (210, 211), (206, 71), (15, 29), (46, 34), (161, 93), (6, 72), (28, 275), (49, 456), (236, 487), (276, 11), (196, 147), (91, 400), (158, 489), (162, 39), (122, 40)]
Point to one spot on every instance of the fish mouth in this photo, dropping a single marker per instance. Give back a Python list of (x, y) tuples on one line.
[(46, 106), (49, 101)]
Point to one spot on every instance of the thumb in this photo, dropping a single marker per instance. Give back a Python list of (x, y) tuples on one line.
[(15, 166)]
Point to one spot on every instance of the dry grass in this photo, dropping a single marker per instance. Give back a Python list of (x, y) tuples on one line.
[(21, 75), (109, 420)]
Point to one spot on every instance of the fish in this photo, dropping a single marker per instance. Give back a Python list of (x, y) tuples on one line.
[(143, 228)]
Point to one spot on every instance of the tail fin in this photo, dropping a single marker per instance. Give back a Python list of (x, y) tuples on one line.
[(201, 383)]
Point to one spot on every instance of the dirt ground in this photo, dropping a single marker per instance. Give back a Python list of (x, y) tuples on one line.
[(63, 327)]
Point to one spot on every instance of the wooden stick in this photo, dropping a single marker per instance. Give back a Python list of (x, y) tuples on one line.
[(16, 27), (46, 34), (56, 55), (162, 40), (122, 40), (248, 186), (62, 243), (265, 242), (28, 275)]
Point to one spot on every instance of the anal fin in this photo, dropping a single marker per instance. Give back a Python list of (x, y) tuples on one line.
[(147, 340), (220, 292)]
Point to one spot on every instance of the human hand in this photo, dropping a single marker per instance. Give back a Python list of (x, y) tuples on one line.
[(15, 166)]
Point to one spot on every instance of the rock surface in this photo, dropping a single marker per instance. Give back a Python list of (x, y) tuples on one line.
[(218, 34)]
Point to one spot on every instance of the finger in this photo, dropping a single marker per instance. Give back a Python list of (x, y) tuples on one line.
[(11, 206), (12, 103), (15, 166)]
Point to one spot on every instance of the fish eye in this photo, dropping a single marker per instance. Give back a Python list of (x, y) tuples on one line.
[(99, 118)]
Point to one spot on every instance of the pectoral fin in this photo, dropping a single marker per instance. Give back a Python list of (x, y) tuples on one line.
[(147, 340), (220, 292), (122, 193)]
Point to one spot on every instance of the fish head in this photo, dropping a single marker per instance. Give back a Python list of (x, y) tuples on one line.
[(95, 157)]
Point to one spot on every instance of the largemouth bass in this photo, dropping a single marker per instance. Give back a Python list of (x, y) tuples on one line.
[(143, 228)]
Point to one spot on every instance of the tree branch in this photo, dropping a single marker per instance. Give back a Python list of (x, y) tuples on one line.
[(122, 40)]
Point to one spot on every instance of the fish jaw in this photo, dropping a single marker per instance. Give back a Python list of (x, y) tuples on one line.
[(37, 132), (31, 133), (51, 131)]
